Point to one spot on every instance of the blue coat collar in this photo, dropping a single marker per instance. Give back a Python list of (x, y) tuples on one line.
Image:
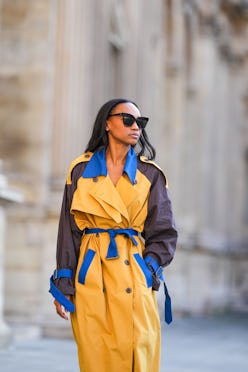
[(97, 165)]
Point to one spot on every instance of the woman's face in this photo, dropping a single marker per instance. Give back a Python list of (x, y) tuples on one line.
[(117, 131)]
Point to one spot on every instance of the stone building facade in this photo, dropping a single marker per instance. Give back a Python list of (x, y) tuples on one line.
[(186, 64)]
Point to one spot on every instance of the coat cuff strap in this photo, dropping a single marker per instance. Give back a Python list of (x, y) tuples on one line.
[(56, 293), (158, 271)]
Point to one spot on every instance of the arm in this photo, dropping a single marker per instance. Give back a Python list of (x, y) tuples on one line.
[(159, 232), (68, 244)]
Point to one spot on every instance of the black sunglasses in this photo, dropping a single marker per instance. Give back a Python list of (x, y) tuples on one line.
[(129, 119)]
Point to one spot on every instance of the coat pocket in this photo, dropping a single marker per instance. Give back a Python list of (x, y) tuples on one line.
[(147, 273), (85, 265)]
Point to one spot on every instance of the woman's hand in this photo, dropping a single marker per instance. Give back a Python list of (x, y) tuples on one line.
[(61, 311)]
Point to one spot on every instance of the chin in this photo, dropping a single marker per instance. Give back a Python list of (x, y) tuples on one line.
[(133, 141)]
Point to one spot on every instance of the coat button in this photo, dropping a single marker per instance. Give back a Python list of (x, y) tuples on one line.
[(135, 182), (127, 262), (86, 155), (95, 179), (129, 290)]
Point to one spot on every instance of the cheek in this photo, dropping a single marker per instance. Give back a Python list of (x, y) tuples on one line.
[(120, 130)]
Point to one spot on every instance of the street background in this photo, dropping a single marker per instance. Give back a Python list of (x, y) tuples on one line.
[(209, 344)]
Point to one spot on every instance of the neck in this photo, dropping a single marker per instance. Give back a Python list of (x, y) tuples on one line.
[(116, 154)]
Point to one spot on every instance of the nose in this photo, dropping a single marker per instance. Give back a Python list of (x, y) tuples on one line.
[(135, 125)]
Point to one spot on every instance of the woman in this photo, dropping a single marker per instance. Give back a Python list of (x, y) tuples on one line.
[(106, 274)]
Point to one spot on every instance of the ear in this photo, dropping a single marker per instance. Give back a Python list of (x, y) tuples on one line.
[(107, 126)]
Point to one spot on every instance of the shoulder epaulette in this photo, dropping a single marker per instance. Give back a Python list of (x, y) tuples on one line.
[(80, 159), (145, 160)]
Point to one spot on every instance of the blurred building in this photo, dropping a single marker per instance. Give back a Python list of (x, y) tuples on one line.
[(186, 64)]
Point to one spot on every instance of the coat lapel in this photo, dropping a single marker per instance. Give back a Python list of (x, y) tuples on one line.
[(127, 191), (109, 198), (96, 194)]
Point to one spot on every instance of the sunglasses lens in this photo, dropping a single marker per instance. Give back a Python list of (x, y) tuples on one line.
[(142, 122), (128, 120)]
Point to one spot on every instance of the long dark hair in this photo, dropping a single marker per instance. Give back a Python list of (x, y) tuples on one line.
[(99, 137)]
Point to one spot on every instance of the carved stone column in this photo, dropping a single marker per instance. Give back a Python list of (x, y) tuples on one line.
[(73, 71), (71, 122), (7, 196)]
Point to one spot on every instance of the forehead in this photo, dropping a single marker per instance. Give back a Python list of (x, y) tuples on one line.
[(127, 107)]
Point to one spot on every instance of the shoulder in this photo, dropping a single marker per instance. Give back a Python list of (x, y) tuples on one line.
[(151, 170), (79, 163)]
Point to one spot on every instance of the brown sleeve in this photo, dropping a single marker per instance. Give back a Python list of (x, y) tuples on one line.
[(159, 232), (69, 236)]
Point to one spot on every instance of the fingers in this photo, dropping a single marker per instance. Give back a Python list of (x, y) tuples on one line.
[(60, 310)]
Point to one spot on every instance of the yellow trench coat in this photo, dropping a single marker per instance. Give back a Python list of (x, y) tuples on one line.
[(116, 322)]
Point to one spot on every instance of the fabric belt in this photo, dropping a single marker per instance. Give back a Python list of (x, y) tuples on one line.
[(112, 254), (112, 248)]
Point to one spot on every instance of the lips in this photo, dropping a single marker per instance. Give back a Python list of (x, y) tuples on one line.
[(134, 135)]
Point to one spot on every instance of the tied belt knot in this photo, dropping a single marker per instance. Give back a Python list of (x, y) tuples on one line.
[(112, 248)]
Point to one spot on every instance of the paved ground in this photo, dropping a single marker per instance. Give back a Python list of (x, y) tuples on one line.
[(218, 344)]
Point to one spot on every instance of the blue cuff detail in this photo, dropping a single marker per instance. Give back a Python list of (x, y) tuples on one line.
[(56, 293), (62, 273), (158, 271)]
